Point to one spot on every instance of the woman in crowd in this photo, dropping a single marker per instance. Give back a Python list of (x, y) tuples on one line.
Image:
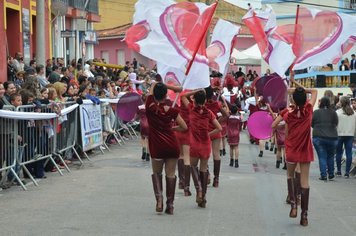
[(299, 148), (201, 120), (324, 125), (163, 144), (346, 132)]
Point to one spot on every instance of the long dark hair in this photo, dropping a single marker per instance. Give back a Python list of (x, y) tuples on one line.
[(324, 103), (345, 106)]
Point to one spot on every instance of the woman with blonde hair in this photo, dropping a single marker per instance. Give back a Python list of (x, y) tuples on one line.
[(61, 89), (346, 132)]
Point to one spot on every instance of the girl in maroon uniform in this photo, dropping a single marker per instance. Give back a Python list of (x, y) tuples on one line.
[(215, 107), (298, 145), (233, 135), (201, 119), (183, 139), (141, 113), (162, 143)]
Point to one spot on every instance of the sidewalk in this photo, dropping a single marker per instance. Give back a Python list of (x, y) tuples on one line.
[(113, 195)]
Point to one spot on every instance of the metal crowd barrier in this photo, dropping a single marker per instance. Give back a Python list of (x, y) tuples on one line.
[(9, 149), (39, 142), (67, 135), (30, 142)]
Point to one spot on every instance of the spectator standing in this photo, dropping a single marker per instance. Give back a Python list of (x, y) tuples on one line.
[(325, 138), (353, 62), (55, 75), (11, 69), (346, 132)]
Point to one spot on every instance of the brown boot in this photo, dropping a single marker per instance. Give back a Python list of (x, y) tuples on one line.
[(197, 184), (293, 204), (297, 188), (157, 188), (170, 191), (216, 173), (304, 206), (187, 180), (204, 184), (181, 173)]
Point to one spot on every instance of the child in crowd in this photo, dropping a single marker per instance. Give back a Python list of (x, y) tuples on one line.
[(141, 113), (233, 135)]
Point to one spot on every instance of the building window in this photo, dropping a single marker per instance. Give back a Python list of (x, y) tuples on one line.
[(105, 56), (120, 57), (353, 4)]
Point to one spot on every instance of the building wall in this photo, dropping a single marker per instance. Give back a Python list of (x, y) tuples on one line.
[(11, 30), (121, 13)]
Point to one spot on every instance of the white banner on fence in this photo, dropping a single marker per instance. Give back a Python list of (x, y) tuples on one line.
[(91, 126)]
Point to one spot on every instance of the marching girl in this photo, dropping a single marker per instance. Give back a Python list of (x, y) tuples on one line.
[(201, 120), (144, 130), (298, 144), (183, 139), (279, 136), (215, 107), (162, 143), (233, 135)]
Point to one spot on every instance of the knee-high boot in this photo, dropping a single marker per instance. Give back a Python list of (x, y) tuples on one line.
[(157, 188), (187, 180), (297, 188), (304, 206), (181, 173), (197, 184), (216, 173), (170, 191), (293, 204), (204, 185)]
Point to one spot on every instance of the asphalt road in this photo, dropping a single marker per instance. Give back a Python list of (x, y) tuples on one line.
[(113, 195)]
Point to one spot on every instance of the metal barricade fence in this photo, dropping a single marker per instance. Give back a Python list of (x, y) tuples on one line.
[(108, 124), (9, 149), (67, 135), (38, 141)]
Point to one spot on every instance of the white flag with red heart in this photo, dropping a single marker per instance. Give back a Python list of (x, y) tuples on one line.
[(220, 48), (323, 37), (274, 43), (218, 53), (170, 32)]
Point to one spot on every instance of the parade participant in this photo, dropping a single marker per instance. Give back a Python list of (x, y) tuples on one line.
[(298, 144), (201, 121), (144, 130), (163, 143), (215, 107), (184, 146), (279, 136), (346, 133), (233, 135)]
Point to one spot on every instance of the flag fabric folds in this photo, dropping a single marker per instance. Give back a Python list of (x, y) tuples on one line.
[(170, 32), (276, 47), (218, 54), (324, 37)]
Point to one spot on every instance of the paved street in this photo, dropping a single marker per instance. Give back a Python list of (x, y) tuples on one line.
[(112, 195)]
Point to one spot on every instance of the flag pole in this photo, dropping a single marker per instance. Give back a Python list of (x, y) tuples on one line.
[(201, 38), (197, 48)]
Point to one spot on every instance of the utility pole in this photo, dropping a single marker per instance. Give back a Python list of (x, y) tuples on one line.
[(40, 33)]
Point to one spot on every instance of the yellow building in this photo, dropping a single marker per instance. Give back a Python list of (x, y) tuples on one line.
[(119, 12)]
